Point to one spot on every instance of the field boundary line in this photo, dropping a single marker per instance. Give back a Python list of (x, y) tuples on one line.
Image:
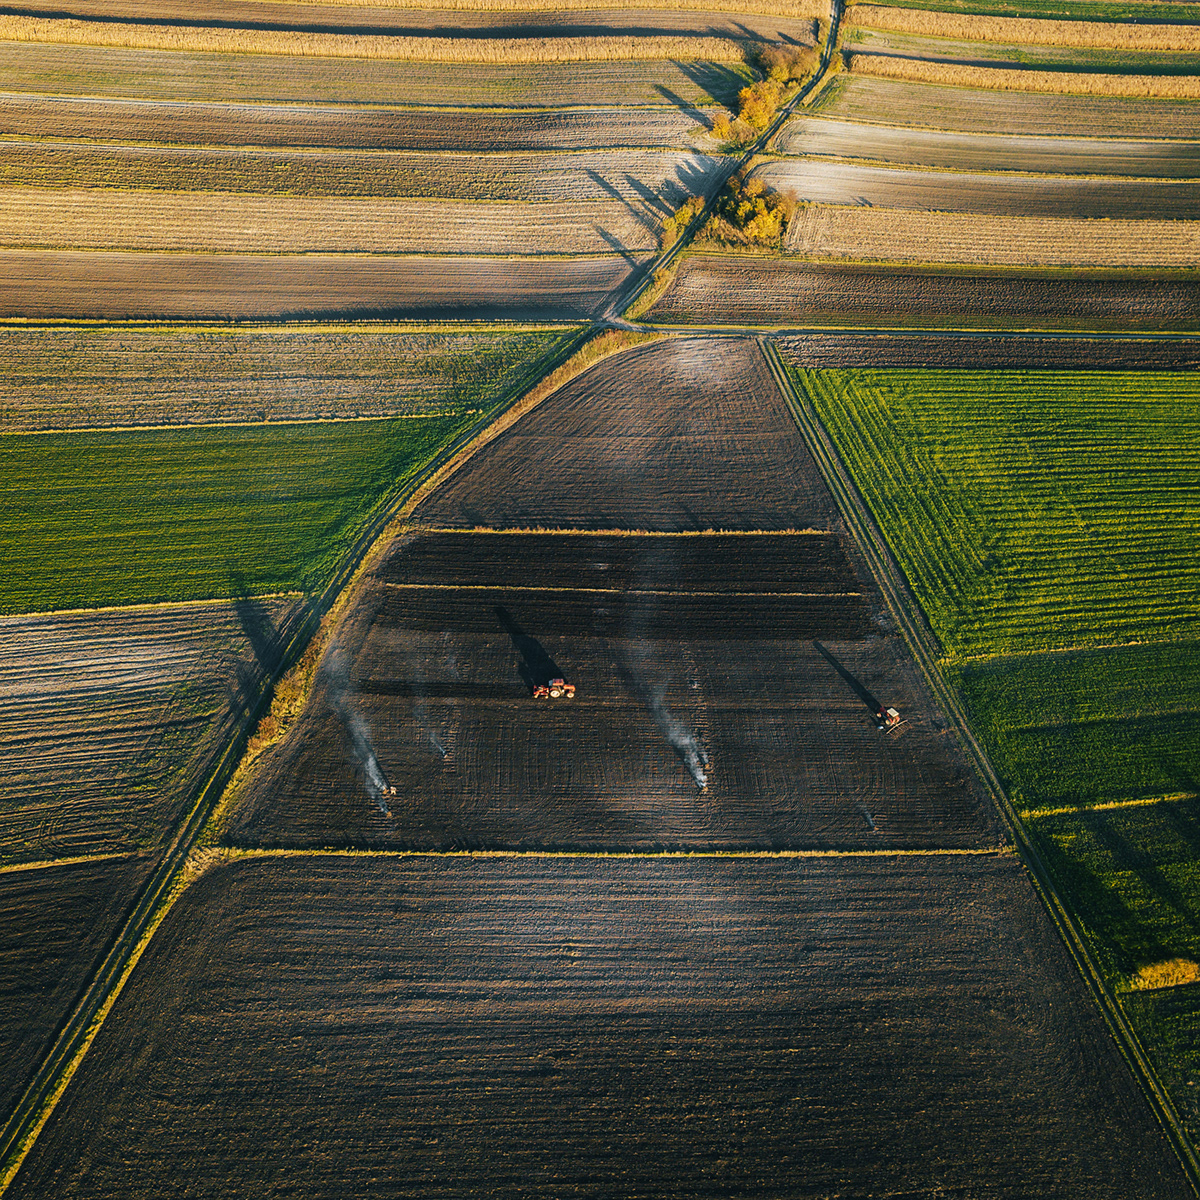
[(485, 587), (43, 864), (1035, 814), (169, 877), (924, 647), (235, 853)]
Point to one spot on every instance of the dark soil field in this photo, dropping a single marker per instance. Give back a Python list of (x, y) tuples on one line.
[(42, 284), (710, 713), (973, 110), (977, 352), (54, 923), (807, 1028), (1005, 193), (685, 434), (727, 289), (345, 127), (108, 720), (990, 151)]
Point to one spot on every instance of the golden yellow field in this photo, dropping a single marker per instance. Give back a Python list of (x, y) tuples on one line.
[(909, 235), (1171, 87), (342, 45), (971, 27)]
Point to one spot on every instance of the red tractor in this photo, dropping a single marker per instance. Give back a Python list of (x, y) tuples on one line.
[(888, 718), (556, 689)]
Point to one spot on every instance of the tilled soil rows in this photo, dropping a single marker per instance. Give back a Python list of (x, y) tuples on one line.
[(990, 151), (116, 286), (55, 921), (811, 1028), (980, 351), (108, 720), (1002, 194), (686, 434), (346, 127), (727, 290)]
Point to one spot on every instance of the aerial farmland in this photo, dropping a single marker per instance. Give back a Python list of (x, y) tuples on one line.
[(600, 600)]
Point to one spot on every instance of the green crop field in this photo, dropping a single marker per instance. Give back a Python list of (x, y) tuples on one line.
[(1031, 510), (1058, 10), (97, 518)]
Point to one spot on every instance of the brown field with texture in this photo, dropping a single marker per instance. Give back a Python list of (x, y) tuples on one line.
[(109, 720), (728, 289), (86, 284), (650, 1028), (899, 235)]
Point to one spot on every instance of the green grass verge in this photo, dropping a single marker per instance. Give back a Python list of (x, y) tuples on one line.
[(1092, 726), (1059, 10), (1030, 510), (101, 518)]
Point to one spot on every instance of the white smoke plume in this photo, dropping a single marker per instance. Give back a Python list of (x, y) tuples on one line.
[(338, 670)]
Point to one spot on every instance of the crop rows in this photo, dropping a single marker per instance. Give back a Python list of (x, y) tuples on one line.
[(227, 223), (659, 179), (1030, 510), (61, 377), (906, 235)]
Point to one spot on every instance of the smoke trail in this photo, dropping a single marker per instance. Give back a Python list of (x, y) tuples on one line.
[(680, 737), (338, 670)]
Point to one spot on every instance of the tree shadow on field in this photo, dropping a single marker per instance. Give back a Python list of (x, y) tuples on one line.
[(537, 668), (720, 82), (861, 692), (617, 245)]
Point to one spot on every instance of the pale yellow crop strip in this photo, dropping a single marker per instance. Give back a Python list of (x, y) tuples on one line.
[(299, 43), (73, 860), (1004, 79), (1142, 802), (766, 8), (969, 27)]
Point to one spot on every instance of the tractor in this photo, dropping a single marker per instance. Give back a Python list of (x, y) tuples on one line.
[(556, 689)]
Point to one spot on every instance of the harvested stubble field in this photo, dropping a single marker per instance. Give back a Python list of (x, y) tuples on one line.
[(110, 720), (102, 517), (682, 679), (922, 105), (981, 351), (913, 236), (730, 289), (1030, 510), (683, 434), (1004, 193), (951, 150), (54, 923), (550, 1027), (238, 223), (786, 23), (39, 285), (653, 182), (96, 71), (344, 127), (64, 377)]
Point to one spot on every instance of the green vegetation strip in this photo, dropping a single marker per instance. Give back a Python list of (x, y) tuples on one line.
[(1072, 10), (1030, 510)]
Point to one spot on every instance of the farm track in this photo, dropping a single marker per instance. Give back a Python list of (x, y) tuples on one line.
[(927, 653), (129, 286)]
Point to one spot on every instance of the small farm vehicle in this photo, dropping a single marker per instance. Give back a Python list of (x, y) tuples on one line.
[(554, 690), (888, 718)]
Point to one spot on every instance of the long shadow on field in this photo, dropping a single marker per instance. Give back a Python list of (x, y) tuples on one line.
[(861, 692), (720, 82), (537, 667)]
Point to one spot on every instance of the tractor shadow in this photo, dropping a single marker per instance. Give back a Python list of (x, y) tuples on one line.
[(537, 668), (872, 702)]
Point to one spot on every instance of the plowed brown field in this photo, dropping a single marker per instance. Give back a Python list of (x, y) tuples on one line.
[(861, 98), (730, 290), (706, 716), (54, 923), (345, 127), (45, 284), (109, 720), (811, 1028)]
